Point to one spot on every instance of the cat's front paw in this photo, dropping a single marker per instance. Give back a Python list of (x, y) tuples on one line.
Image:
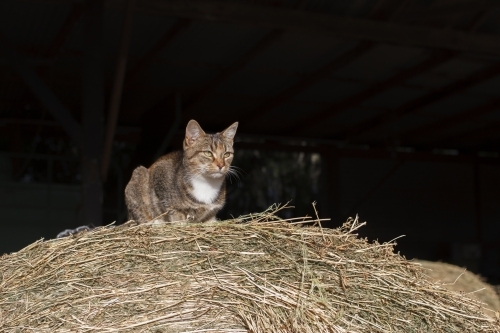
[(69, 232)]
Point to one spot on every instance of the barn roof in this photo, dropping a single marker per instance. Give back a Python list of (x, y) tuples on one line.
[(423, 74)]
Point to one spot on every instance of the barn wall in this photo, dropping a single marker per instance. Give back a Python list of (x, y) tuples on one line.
[(433, 204), (30, 211), (490, 213)]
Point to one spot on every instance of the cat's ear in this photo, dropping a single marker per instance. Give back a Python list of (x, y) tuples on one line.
[(230, 132), (193, 132)]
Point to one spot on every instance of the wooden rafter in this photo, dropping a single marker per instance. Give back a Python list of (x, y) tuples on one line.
[(436, 59), (225, 73), (326, 24), (62, 35), (308, 81), (213, 84), (116, 93), (43, 92), (435, 129), (382, 11), (152, 55), (451, 8), (476, 136), (92, 112), (370, 125), (373, 153)]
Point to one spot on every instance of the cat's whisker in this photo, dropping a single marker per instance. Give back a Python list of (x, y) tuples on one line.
[(233, 173), (230, 177), (236, 171), (236, 174), (236, 168)]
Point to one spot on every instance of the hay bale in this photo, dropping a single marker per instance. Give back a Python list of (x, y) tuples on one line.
[(460, 280), (253, 274)]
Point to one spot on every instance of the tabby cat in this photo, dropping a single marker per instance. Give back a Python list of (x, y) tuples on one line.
[(186, 185)]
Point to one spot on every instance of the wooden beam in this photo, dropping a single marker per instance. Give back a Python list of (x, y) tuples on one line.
[(479, 20), (437, 58), (477, 202), (92, 112), (370, 125), (450, 8), (174, 128), (380, 12), (436, 129), (373, 153), (43, 92), (251, 54), (213, 84), (327, 24), (474, 137), (147, 60), (383, 10), (116, 94), (307, 82), (62, 36), (331, 164)]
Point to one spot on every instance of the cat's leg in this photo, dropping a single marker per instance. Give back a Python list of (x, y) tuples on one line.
[(137, 196), (209, 216), (176, 216)]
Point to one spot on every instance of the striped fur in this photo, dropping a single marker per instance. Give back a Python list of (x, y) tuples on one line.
[(184, 185)]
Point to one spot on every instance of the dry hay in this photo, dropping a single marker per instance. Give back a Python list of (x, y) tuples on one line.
[(460, 280), (253, 274)]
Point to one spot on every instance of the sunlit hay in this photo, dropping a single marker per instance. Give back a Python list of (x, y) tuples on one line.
[(461, 280), (256, 273)]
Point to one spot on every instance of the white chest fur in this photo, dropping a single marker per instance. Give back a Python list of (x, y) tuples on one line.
[(206, 190)]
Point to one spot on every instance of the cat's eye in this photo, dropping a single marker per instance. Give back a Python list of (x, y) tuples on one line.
[(207, 153), (227, 154)]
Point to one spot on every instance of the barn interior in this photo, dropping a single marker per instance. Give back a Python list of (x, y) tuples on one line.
[(383, 108)]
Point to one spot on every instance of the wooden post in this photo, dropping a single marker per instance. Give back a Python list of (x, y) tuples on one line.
[(477, 201), (92, 113), (42, 91), (173, 129), (116, 94), (331, 168)]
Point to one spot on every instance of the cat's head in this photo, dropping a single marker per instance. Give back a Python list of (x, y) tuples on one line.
[(208, 155)]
